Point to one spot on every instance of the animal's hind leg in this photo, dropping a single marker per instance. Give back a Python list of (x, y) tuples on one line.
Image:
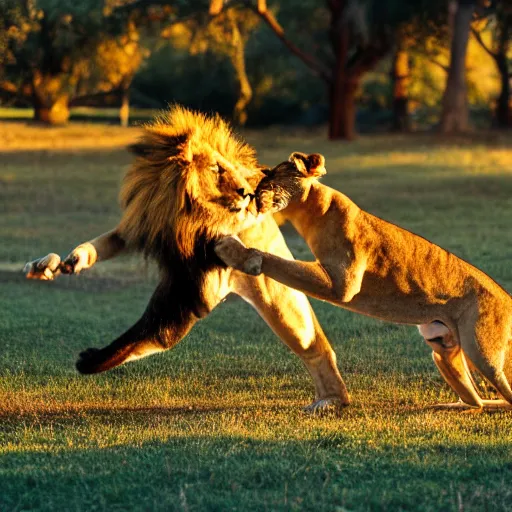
[(163, 325), (452, 365), (485, 340)]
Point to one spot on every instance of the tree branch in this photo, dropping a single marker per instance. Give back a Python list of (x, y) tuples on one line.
[(261, 10), (8, 87), (438, 64), (367, 58), (478, 37), (79, 100), (432, 60)]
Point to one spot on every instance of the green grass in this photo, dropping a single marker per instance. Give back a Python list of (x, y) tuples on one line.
[(216, 424)]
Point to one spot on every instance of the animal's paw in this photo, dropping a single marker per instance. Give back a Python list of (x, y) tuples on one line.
[(325, 406), (81, 258), (252, 265), (88, 361), (44, 269), (231, 251)]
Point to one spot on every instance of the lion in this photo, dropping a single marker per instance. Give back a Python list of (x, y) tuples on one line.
[(192, 182), (370, 266)]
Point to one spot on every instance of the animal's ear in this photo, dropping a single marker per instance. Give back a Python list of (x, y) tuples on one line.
[(171, 146), (316, 165), (140, 149), (310, 165), (184, 148)]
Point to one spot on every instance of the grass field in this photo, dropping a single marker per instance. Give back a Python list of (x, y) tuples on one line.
[(216, 424)]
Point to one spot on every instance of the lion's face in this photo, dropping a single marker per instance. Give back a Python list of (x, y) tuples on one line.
[(219, 192), (288, 181)]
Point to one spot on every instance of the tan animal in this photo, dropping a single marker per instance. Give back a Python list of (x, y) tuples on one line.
[(192, 182), (371, 266)]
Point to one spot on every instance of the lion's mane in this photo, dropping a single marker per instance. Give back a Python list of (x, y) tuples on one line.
[(158, 218)]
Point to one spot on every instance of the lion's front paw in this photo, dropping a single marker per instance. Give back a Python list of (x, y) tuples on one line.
[(325, 406), (44, 269), (88, 360), (82, 258)]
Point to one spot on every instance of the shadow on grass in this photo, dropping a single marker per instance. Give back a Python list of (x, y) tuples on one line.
[(242, 472), (86, 283)]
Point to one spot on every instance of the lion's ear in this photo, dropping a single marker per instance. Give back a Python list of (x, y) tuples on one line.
[(316, 165), (140, 149), (310, 165), (154, 144)]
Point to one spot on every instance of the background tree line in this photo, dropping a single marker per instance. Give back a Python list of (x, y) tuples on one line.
[(368, 64)]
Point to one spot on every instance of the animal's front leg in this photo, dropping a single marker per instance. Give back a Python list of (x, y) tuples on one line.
[(84, 256), (233, 252), (104, 247), (334, 283)]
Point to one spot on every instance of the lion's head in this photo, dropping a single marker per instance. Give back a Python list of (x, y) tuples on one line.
[(288, 180), (192, 181)]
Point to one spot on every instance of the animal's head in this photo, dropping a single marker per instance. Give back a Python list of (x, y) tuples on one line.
[(192, 179), (288, 181)]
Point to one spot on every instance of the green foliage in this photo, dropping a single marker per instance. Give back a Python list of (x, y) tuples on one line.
[(81, 47)]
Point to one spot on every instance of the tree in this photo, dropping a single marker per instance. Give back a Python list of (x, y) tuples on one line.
[(48, 42), (358, 36), (400, 76), (111, 70), (500, 24), (50, 46), (227, 34), (455, 114)]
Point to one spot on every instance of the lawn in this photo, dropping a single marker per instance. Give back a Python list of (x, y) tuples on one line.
[(216, 424)]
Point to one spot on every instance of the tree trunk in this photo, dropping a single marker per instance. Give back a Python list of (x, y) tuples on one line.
[(503, 110), (341, 120), (346, 120), (504, 31), (455, 115), (237, 57), (401, 79), (54, 112), (50, 99), (124, 111)]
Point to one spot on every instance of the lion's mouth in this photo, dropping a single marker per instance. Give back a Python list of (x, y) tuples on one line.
[(247, 204)]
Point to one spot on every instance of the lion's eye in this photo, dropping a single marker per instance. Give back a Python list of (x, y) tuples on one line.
[(218, 169)]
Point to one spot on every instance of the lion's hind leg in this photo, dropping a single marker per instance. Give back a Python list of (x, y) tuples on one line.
[(486, 341), (164, 323), (452, 365), (290, 316), (134, 344)]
